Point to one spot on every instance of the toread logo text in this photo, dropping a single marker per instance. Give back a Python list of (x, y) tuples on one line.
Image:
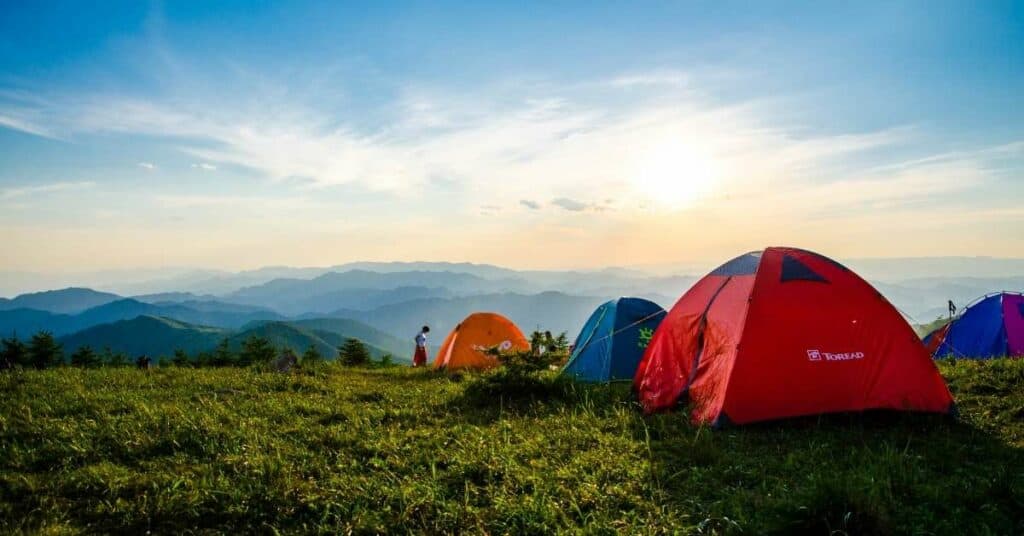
[(818, 355)]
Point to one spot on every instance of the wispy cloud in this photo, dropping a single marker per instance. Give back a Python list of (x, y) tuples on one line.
[(571, 205), (654, 78), (41, 189), (24, 125), (532, 205), (147, 165), (570, 146)]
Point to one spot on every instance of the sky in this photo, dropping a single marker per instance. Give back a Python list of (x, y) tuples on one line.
[(234, 135)]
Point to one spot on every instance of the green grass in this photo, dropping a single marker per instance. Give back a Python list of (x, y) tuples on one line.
[(408, 451)]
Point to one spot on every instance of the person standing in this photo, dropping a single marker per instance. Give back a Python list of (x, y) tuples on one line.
[(419, 359)]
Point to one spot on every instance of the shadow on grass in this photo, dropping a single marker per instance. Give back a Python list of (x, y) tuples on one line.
[(871, 473), (491, 396)]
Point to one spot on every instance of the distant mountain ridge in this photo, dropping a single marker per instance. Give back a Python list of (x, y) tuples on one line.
[(146, 335), (64, 301), (552, 311), (161, 337), (397, 298), (25, 322)]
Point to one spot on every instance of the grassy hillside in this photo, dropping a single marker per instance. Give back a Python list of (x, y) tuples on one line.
[(150, 335), (405, 451)]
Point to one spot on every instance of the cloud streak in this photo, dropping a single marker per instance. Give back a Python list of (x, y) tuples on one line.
[(44, 189)]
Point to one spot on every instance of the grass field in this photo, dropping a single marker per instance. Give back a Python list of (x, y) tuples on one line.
[(401, 451)]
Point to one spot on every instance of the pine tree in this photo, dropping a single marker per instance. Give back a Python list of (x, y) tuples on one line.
[(256, 350), (312, 356), (353, 353), (562, 342), (111, 358), (180, 358), (536, 340), (84, 357), (222, 355), (44, 351), (13, 352), (204, 359)]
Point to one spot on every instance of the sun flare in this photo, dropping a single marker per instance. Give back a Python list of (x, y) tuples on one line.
[(674, 175)]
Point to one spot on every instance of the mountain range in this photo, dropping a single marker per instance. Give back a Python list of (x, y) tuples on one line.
[(158, 336), (395, 299)]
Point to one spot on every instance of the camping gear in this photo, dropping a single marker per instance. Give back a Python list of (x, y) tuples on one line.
[(781, 333), (612, 342), (466, 346), (993, 326)]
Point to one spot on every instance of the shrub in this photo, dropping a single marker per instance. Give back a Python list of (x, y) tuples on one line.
[(13, 352), (180, 358), (256, 350), (84, 357), (353, 353), (44, 351), (312, 357)]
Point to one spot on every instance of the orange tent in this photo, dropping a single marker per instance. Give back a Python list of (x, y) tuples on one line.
[(463, 348)]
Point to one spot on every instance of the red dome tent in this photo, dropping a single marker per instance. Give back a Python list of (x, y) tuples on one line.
[(786, 332)]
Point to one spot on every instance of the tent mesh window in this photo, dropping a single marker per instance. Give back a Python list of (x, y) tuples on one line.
[(794, 270), (745, 264)]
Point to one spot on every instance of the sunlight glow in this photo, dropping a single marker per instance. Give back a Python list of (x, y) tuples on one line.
[(674, 174)]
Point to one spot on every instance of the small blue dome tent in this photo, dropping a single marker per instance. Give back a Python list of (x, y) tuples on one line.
[(613, 340), (990, 327)]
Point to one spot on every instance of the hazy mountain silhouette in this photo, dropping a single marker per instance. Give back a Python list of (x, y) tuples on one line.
[(65, 301), (553, 311), (150, 335), (158, 336), (25, 322)]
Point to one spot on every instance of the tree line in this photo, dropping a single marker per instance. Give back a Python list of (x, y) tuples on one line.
[(43, 351)]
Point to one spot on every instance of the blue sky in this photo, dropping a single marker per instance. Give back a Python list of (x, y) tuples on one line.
[(555, 134)]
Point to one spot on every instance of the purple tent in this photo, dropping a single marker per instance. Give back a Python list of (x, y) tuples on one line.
[(991, 327)]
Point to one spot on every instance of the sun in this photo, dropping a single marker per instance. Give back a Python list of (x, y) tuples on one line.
[(674, 175)]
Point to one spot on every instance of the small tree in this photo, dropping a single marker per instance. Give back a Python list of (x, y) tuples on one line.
[(256, 350), (13, 352), (387, 360), (84, 357), (44, 351), (537, 341), (222, 355), (353, 353), (114, 359), (312, 357), (204, 359), (562, 342), (180, 358)]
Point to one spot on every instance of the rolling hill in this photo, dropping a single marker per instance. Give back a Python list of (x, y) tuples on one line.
[(553, 311), (336, 330), (323, 292), (159, 336), (25, 322), (65, 301), (149, 335)]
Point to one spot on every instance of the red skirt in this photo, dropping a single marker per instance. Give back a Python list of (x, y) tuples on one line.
[(420, 357)]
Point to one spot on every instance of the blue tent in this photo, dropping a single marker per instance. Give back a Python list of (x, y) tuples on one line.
[(991, 327), (613, 340)]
